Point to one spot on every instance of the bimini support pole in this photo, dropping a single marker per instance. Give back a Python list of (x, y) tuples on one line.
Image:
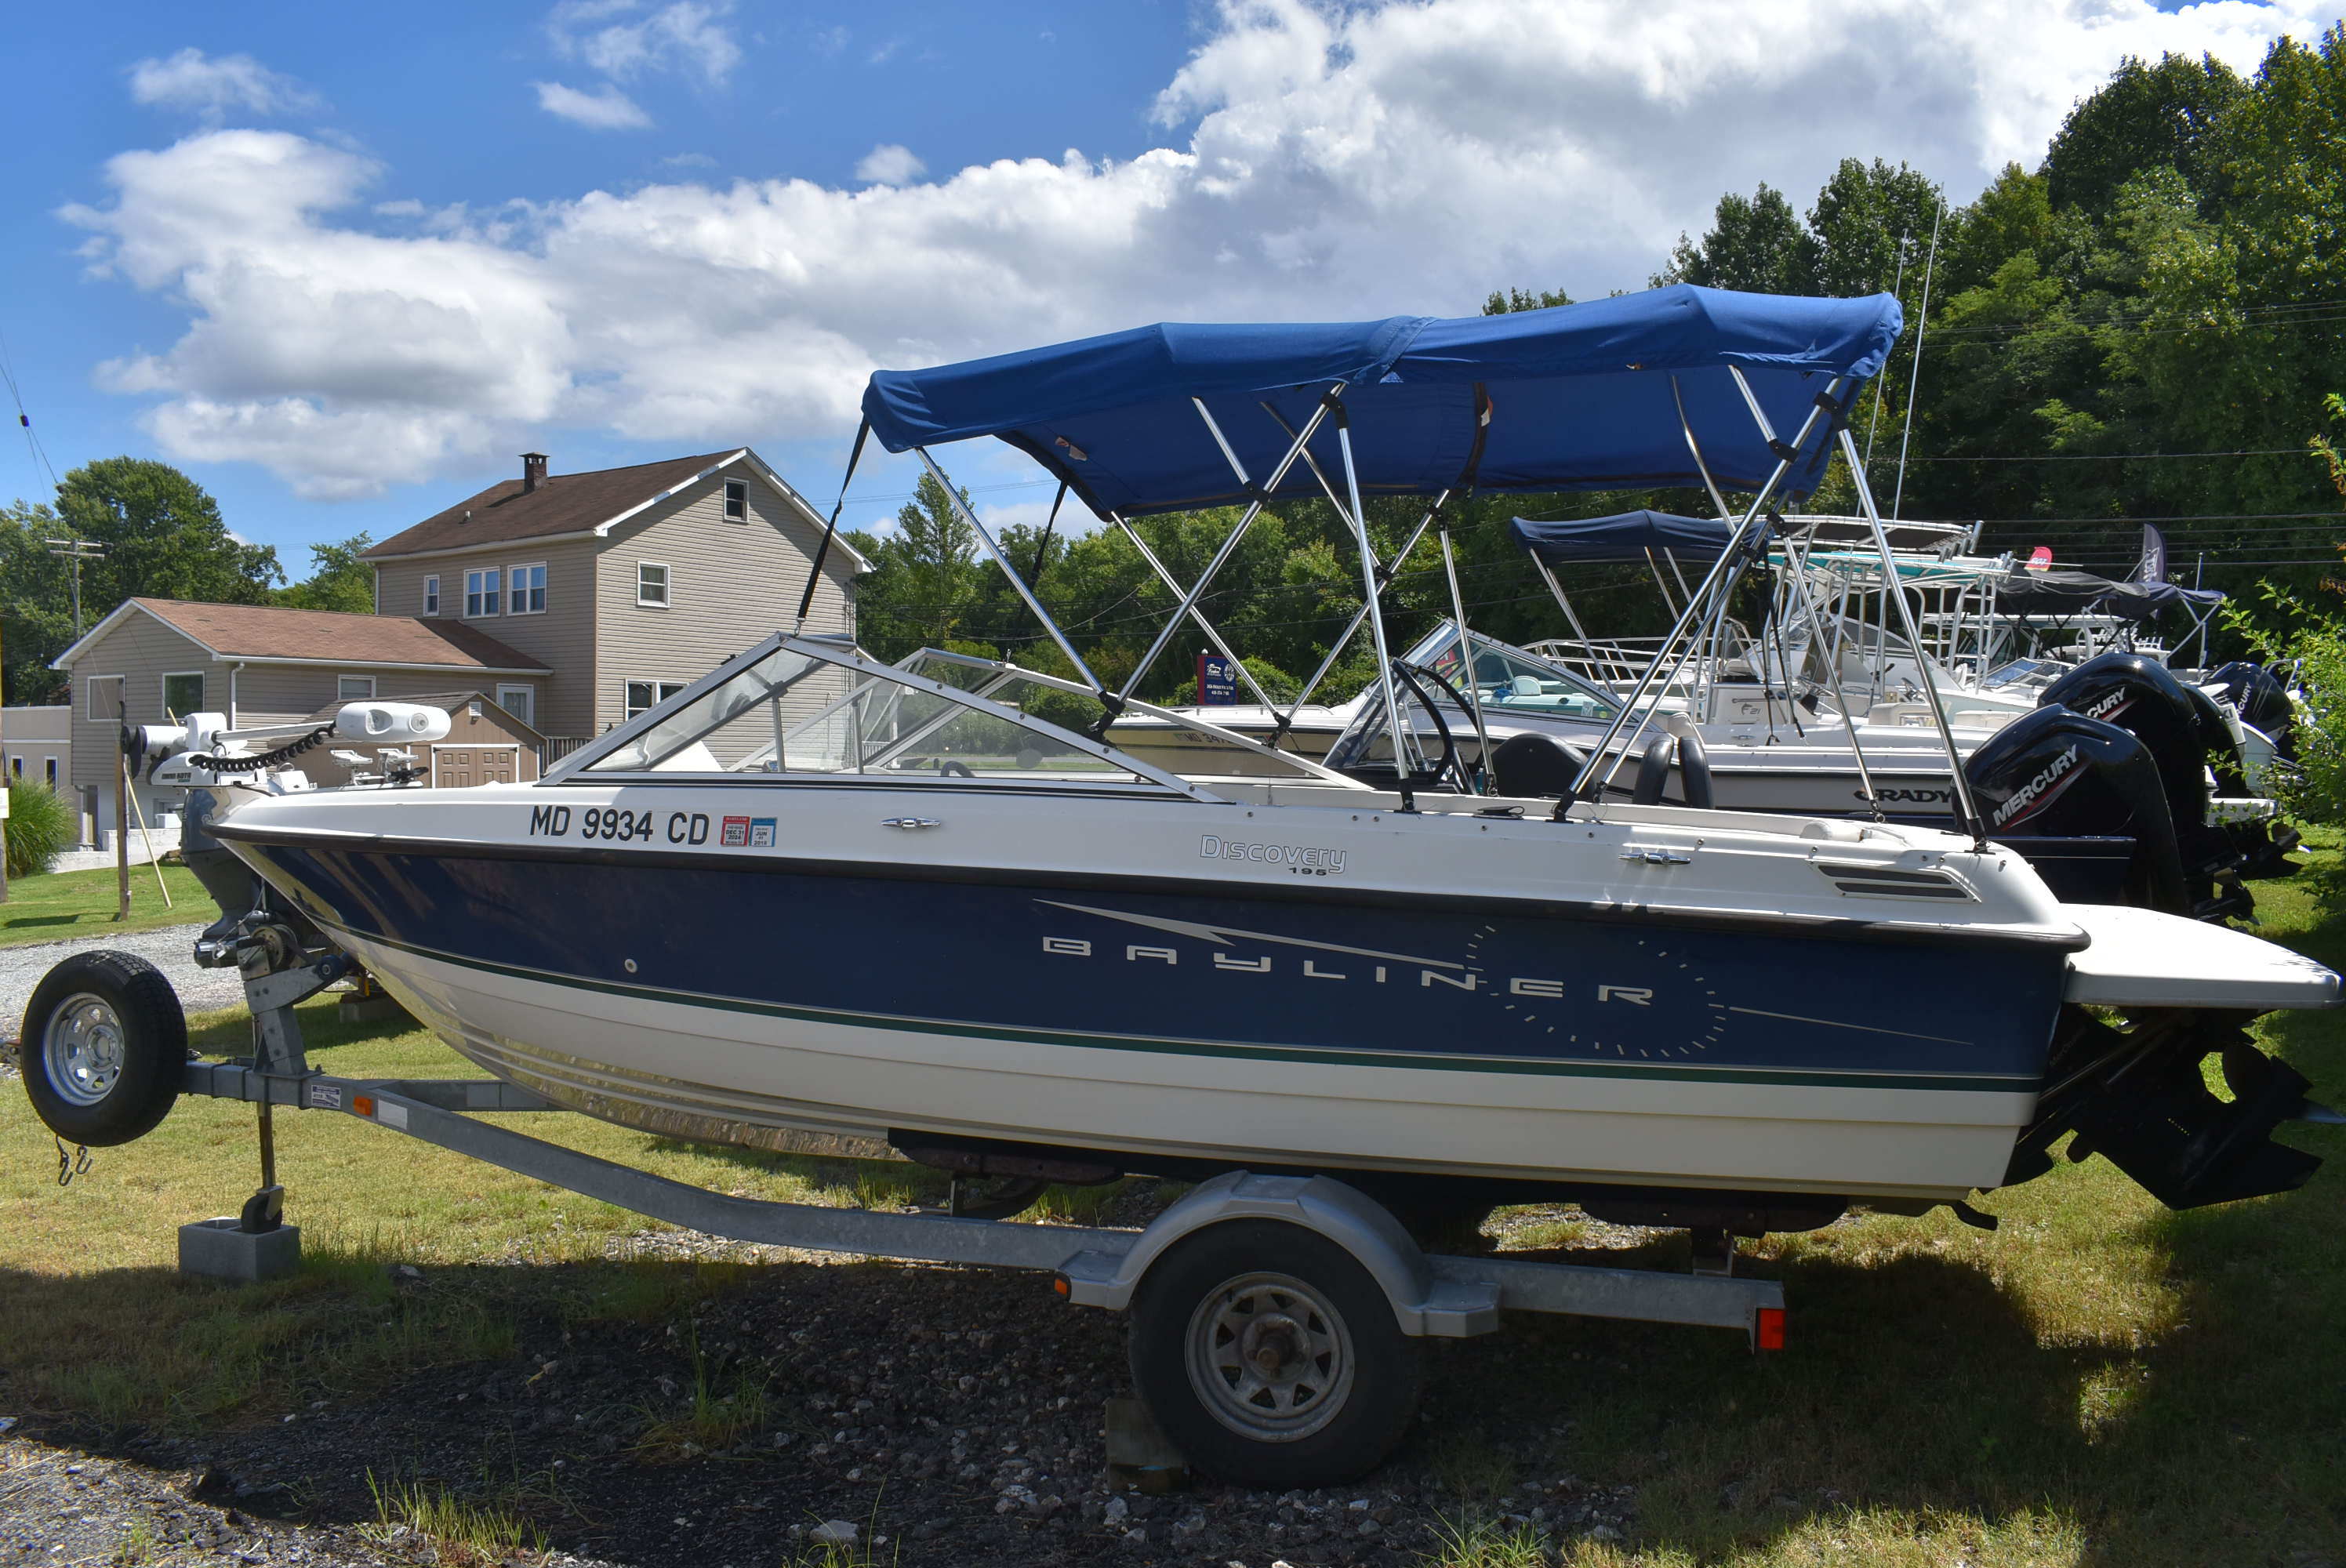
[(1728, 558), (1795, 580), (1404, 740), (1230, 545), (1967, 817), (854, 454), (1466, 660), (1796, 586), (1204, 625), (993, 548)]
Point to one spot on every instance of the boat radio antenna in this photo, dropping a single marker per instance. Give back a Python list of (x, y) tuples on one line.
[(1914, 378), (1898, 281)]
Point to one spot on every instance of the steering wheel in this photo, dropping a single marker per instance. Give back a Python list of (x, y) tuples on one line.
[(949, 769), (1408, 674)]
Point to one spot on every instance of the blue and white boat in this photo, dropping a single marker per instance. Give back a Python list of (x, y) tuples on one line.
[(815, 891)]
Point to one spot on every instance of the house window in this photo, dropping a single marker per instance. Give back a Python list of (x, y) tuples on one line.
[(104, 699), (16, 766), (528, 589), (183, 694), (50, 767), (737, 500), (521, 701), (651, 583), (643, 696), (354, 689), (481, 593), (432, 596)]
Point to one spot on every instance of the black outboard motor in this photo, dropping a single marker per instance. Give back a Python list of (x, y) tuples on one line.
[(2143, 698), (2263, 702), (2073, 794)]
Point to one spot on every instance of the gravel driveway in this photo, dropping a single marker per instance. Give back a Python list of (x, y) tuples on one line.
[(170, 949)]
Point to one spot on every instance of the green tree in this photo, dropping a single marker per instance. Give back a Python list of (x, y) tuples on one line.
[(2144, 117), (1503, 301), (163, 537), (339, 579), (1754, 243), (1864, 216)]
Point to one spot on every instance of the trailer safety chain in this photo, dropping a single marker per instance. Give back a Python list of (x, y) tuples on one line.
[(284, 753), (71, 1165)]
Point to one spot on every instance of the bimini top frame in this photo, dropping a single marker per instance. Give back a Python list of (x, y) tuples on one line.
[(1679, 386)]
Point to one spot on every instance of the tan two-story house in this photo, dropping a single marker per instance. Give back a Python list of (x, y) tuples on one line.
[(628, 584)]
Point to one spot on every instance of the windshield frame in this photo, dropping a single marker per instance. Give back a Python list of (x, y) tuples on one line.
[(580, 765)]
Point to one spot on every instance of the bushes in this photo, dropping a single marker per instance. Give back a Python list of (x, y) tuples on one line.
[(41, 825), (2316, 790)]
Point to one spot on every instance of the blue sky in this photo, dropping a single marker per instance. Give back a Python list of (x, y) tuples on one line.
[(342, 263)]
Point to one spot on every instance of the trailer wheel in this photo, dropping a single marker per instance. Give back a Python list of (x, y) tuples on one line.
[(1270, 1357), (103, 1045)]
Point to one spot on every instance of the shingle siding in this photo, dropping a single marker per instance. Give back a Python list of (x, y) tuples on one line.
[(143, 649), (729, 585), (562, 638), (280, 694)]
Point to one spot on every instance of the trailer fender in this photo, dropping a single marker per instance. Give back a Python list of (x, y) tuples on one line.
[(1423, 1303)]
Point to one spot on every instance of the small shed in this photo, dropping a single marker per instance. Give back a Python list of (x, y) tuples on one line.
[(484, 745)]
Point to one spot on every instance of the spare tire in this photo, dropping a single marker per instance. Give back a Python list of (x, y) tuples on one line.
[(104, 1048)]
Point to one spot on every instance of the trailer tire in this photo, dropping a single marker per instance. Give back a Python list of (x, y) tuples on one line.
[(104, 1048), (1253, 1297)]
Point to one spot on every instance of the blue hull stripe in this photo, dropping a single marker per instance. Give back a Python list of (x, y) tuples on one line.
[(1446, 1062)]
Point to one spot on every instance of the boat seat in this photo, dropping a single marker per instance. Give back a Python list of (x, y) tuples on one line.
[(1535, 767)]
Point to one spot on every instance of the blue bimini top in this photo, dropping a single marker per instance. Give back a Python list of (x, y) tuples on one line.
[(1577, 397), (1624, 536)]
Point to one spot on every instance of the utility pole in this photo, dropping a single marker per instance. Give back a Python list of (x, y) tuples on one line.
[(76, 551)]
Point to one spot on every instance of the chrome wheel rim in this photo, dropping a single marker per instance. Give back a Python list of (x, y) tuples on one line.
[(1270, 1357), (82, 1049)]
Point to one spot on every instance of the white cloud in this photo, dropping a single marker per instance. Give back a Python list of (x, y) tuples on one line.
[(1323, 161), (889, 164), (193, 81), (689, 160), (608, 110), (687, 36)]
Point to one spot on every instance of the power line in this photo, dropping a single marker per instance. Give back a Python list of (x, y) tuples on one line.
[(2128, 456), (23, 420)]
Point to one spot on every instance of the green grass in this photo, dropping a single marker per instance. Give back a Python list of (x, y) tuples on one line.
[(58, 905)]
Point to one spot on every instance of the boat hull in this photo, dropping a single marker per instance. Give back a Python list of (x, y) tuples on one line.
[(711, 997)]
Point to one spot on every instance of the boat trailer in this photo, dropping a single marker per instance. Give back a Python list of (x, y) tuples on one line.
[(1259, 1345)]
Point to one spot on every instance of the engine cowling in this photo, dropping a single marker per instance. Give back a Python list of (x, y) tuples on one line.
[(2144, 697), (2055, 773)]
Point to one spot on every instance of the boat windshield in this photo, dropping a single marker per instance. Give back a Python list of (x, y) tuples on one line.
[(799, 707), (815, 706), (1513, 679)]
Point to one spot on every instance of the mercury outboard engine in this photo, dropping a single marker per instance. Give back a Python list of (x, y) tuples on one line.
[(2262, 701), (2145, 698), (2074, 794)]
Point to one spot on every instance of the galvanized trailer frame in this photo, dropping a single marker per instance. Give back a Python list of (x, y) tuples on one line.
[(1430, 1294)]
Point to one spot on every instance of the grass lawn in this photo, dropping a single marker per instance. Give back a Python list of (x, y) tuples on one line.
[(2101, 1381), (62, 905)]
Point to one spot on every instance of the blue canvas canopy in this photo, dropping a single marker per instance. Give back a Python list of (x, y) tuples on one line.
[(1624, 536), (1579, 397)]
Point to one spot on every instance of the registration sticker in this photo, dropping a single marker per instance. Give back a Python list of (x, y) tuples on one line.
[(734, 833), (326, 1097), (761, 833)]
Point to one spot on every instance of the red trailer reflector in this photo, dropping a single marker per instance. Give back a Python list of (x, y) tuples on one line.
[(363, 1104), (1768, 1331)]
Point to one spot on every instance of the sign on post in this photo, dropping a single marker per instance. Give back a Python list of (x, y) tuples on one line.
[(1218, 680)]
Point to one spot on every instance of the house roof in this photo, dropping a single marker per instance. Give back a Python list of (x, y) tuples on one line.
[(570, 505), (271, 634), (446, 702)]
